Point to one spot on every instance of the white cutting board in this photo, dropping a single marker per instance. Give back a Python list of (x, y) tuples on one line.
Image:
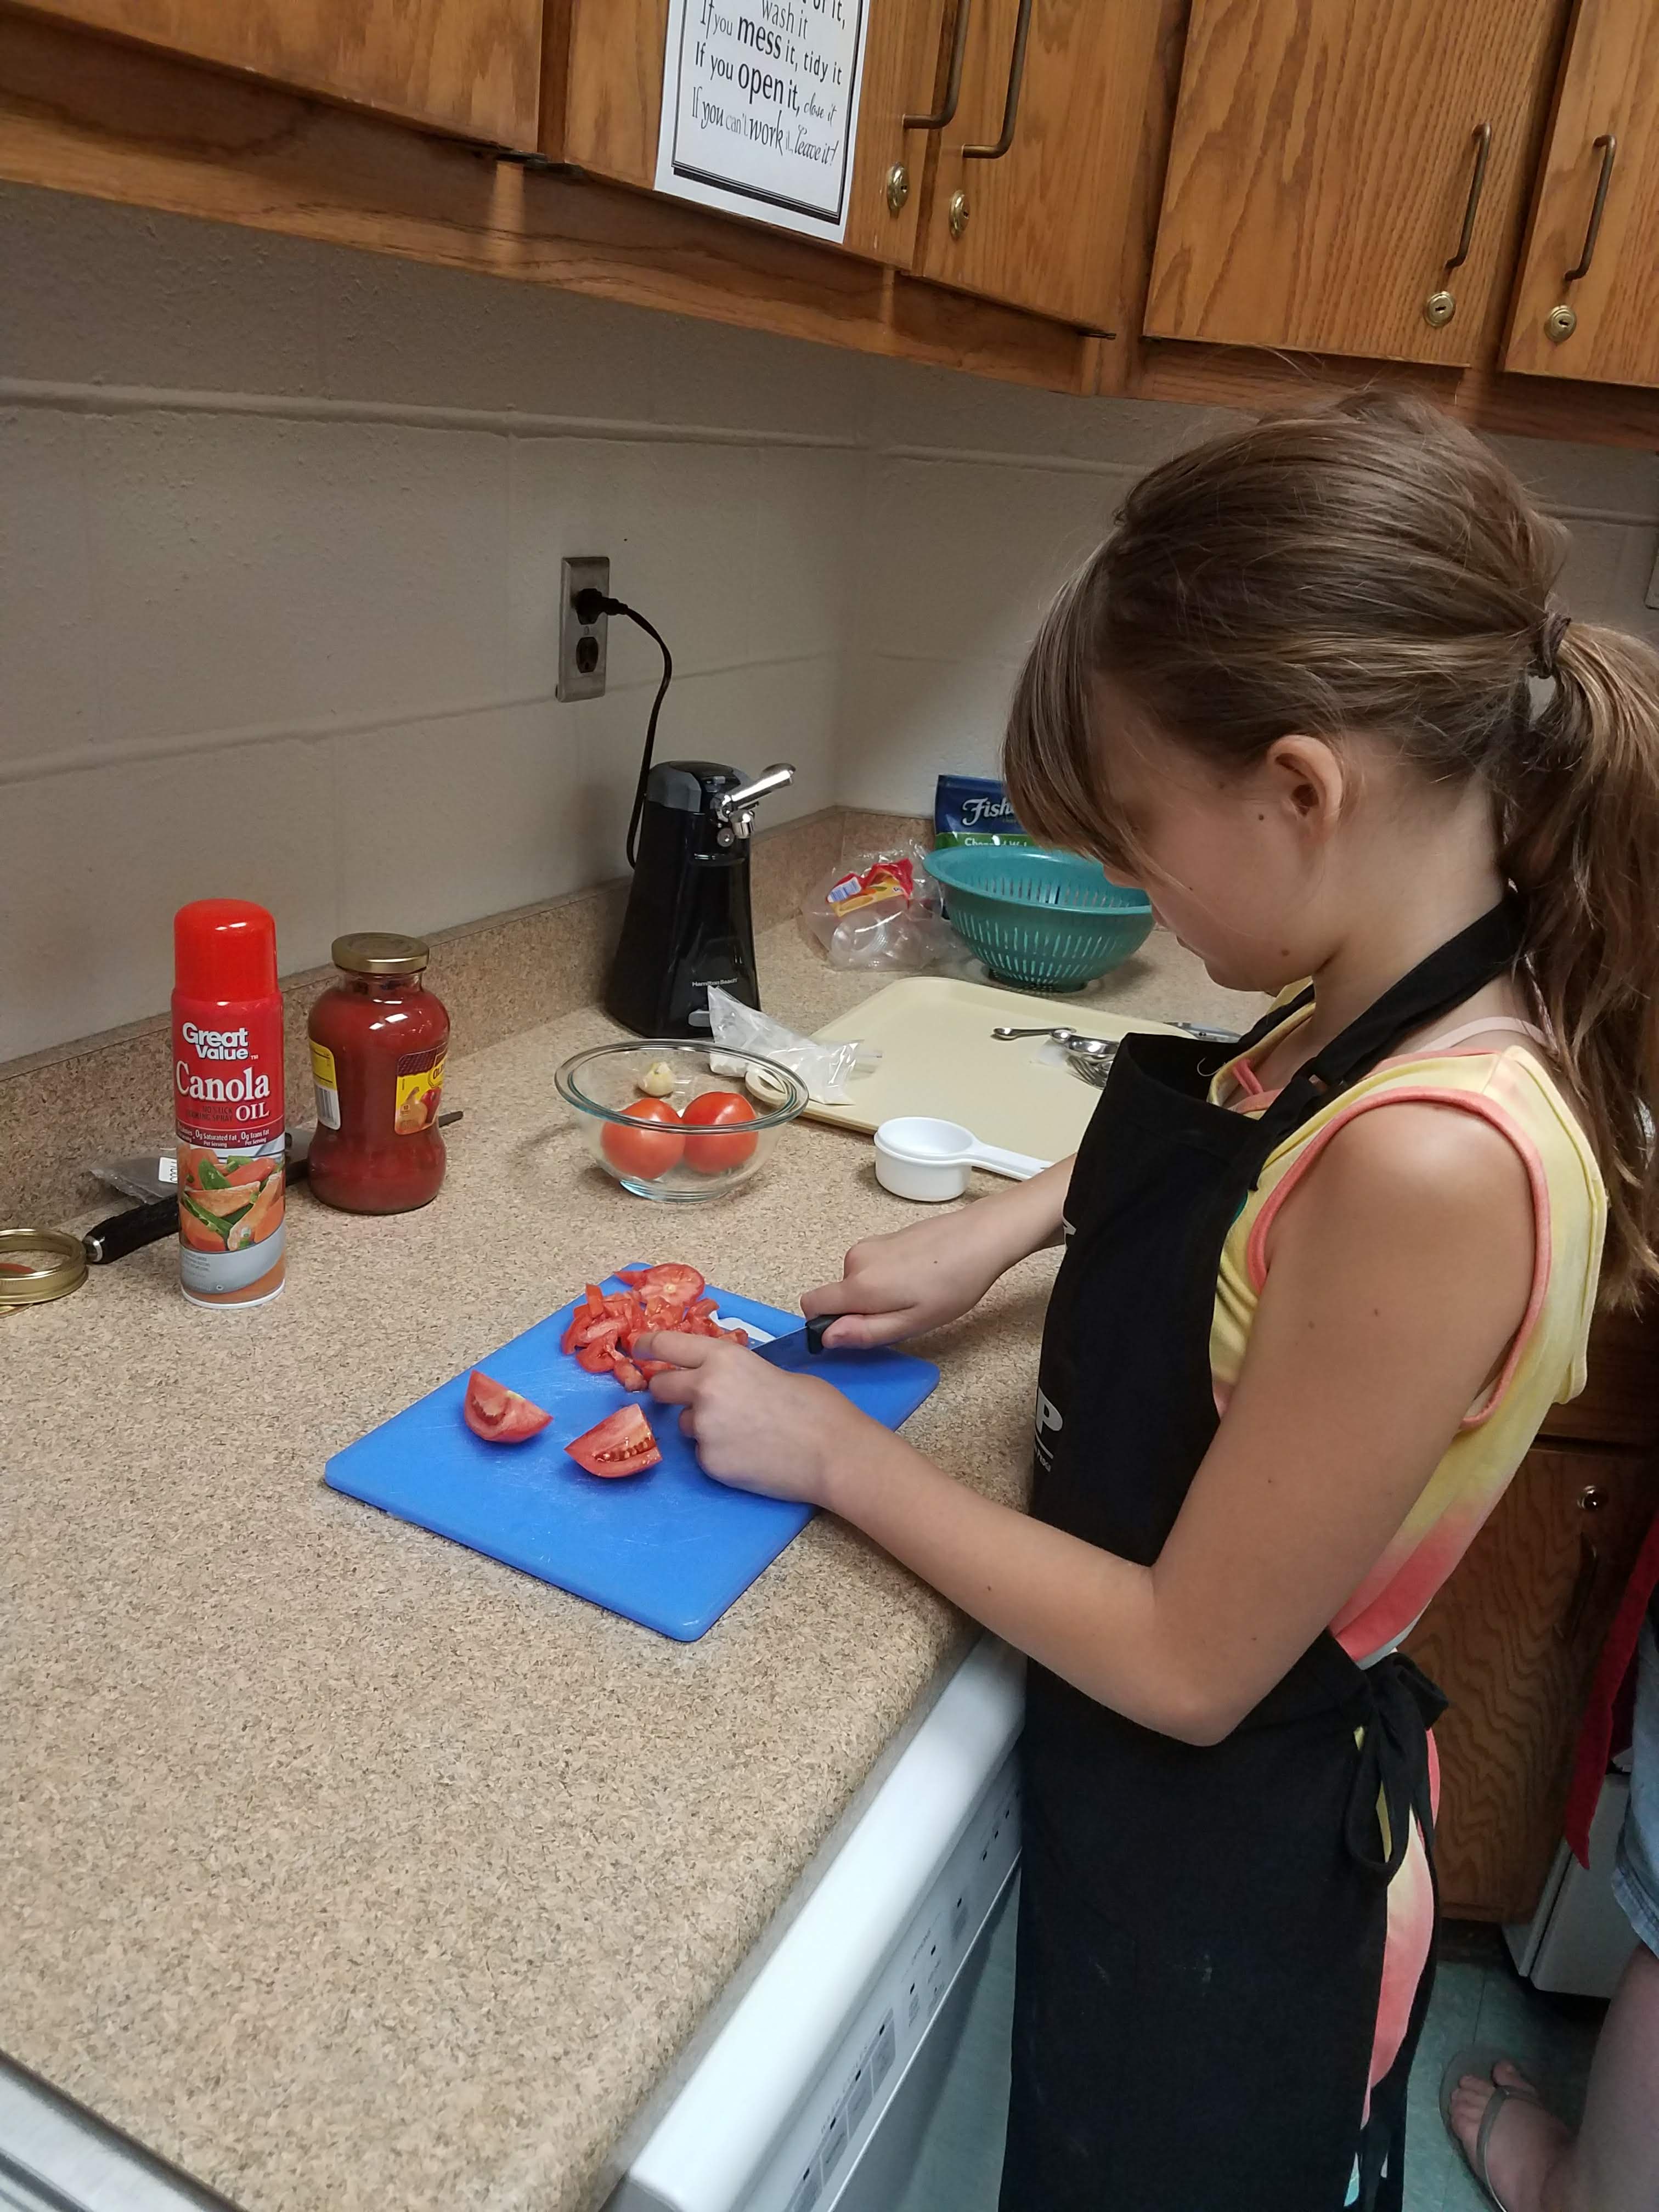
[(937, 1056)]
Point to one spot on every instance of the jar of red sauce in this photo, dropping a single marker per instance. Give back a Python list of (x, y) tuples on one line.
[(378, 1041)]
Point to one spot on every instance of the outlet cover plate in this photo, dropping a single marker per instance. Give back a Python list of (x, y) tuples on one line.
[(581, 645)]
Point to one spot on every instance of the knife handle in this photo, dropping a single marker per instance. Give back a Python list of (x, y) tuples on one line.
[(815, 1332), (126, 1231)]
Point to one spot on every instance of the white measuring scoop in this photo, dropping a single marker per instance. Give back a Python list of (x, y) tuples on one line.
[(920, 1157)]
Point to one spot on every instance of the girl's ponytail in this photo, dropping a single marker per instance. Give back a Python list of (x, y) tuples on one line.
[(1582, 843)]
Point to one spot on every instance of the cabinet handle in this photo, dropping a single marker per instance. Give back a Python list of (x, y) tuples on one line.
[(947, 114), (1607, 145), (1589, 1561), (1441, 305), (1477, 185), (1010, 103)]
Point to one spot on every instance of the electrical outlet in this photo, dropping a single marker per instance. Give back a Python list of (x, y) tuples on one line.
[(581, 645)]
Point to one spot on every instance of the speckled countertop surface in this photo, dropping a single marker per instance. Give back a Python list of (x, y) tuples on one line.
[(345, 1868)]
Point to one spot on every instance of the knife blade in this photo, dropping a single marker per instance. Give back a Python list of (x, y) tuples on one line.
[(799, 1345), (134, 1227)]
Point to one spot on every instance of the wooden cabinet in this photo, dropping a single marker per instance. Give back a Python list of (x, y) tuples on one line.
[(1309, 175), (1586, 301), (602, 106), (469, 66), (1513, 1640), (1035, 180), (1337, 165), (1515, 1637)]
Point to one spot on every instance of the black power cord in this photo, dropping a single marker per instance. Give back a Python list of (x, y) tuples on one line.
[(588, 605)]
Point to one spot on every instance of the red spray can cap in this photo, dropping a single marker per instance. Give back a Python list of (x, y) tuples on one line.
[(224, 949)]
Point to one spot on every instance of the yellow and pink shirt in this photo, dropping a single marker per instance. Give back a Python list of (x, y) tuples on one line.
[(1513, 1090)]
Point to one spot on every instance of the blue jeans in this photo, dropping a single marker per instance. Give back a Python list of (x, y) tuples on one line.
[(1635, 1872)]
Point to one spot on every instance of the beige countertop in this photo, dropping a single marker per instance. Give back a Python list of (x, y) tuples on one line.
[(346, 1868)]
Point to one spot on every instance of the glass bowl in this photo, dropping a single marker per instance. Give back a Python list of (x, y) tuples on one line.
[(659, 1160)]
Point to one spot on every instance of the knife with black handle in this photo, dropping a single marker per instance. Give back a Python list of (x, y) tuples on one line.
[(138, 1226), (788, 1350)]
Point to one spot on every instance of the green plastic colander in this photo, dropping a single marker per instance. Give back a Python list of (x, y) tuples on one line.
[(1047, 921)]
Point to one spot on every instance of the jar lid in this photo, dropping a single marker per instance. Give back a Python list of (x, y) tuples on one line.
[(40, 1264), (378, 952)]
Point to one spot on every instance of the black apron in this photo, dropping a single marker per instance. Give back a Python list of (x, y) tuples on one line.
[(1201, 1929)]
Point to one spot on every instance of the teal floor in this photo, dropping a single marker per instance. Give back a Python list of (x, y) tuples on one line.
[(1478, 1999)]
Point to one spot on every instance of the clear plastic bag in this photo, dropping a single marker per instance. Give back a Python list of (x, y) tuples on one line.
[(824, 1068), (883, 914)]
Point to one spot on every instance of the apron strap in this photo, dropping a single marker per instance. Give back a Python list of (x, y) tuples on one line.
[(1392, 1774), (1477, 956), (1274, 1018)]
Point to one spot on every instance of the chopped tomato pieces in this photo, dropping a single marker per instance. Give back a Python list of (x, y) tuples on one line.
[(606, 1326)]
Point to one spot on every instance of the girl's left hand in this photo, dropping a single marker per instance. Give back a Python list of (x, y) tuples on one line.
[(753, 1427)]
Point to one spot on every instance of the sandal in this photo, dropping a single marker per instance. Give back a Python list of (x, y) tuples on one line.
[(1481, 2060)]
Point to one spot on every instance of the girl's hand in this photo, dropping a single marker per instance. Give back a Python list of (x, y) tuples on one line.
[(914, 1280), (753, 1427)]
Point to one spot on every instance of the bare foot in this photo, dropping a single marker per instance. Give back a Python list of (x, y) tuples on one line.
[(1525, 2141)]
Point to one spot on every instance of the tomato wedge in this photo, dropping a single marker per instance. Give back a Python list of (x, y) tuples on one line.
[(621, 1444), (498, 1415)]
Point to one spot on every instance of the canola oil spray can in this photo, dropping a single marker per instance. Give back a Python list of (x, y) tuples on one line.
[(227, 1102)]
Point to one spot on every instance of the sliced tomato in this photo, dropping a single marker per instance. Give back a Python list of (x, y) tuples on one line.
[(650, 1367), (621, 1444), (628, 1375), (673, 1281), (498, 1415), (597, 1359), (645, 1153), (718, 1109), (585, 1331)]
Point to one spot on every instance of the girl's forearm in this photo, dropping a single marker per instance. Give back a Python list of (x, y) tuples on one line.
[(1084, 1613), (1031, 1215)]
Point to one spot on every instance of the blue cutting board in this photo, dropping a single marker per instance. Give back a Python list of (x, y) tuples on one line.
[(670, 1548)]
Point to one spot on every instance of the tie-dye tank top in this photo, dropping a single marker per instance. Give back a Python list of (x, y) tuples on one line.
[(1513, 1090)]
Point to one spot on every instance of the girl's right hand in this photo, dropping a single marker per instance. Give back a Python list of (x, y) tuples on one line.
[(913, 1279)]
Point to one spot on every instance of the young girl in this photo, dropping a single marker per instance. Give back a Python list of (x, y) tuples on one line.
[(1315, 695)]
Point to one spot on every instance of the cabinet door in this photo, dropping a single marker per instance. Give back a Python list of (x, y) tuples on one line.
[(1587, 302), (468, 66), (604, 105), (1337, 165), (1513, 1640), (1034, 193)]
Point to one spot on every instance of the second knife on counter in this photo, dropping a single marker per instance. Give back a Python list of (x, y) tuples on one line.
[(138, 1226)]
